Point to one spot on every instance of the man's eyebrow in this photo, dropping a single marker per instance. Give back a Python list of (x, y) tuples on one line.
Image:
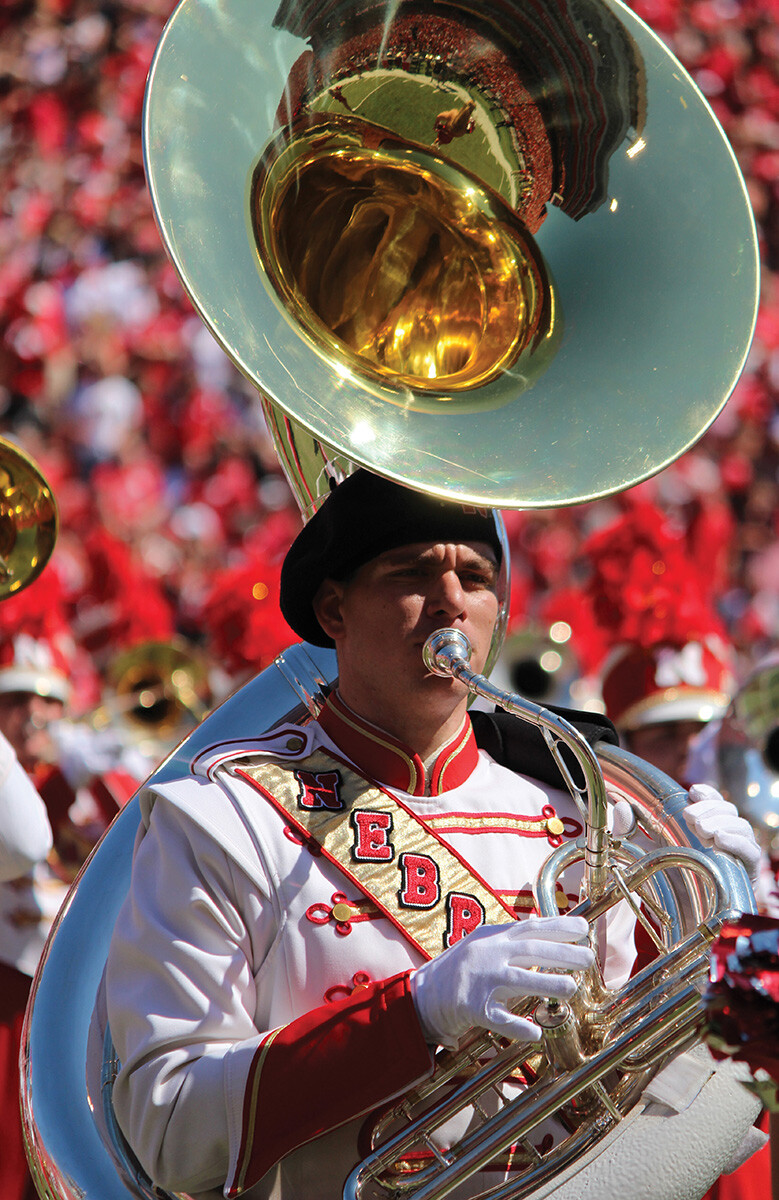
[(478, 557), (405, 554), (402, 553)]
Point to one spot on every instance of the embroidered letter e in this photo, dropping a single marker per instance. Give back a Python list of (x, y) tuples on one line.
[(371, 835)]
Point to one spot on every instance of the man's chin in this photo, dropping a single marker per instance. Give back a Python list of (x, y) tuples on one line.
[(448, 692)]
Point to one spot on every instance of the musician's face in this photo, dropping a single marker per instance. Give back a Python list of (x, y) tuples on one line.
[(381, 617), (666, 744), (25, 718)]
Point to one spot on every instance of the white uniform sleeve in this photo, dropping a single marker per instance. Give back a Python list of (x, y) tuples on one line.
[(181, 999), (25, 832)]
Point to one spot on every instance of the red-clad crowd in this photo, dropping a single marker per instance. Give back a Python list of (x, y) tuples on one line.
[(154, 445), (174, 513)]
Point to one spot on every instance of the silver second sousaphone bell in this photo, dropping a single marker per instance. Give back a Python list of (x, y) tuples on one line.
[(467, 246)]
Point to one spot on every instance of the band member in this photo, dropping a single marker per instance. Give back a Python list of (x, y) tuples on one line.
[(661, 696), (25, 839), (312, 912), (25, 832), (62, 819)]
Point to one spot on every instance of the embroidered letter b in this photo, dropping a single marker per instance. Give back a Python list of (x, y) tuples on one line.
[(420, 881)]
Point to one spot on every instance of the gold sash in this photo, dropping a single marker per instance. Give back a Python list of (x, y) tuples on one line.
[(420, 883)]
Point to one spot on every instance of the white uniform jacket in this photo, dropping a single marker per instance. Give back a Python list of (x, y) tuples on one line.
[(25, 832), (258, 1002), (29, 896)]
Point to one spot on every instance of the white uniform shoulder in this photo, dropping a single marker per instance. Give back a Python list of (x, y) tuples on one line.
[(202, 815), (208, 801), (287, 742)]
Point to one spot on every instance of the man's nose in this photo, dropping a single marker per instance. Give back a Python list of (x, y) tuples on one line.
[(447, 597), (38, 715)]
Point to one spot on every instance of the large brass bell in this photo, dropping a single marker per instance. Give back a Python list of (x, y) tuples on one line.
[(28, 520)]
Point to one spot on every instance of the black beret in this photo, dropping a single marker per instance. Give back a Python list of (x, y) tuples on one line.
[(360, 519)]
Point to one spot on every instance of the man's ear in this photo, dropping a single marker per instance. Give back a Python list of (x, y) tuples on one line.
[(327, 607)]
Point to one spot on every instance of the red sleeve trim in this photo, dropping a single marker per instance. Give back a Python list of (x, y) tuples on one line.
[(326, 1068)]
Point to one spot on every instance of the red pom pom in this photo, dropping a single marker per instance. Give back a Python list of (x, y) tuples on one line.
[(243, 622), (742, 999)]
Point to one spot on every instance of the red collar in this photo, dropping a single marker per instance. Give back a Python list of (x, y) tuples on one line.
[(391, 762)]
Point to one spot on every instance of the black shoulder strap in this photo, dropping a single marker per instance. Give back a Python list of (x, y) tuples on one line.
[(520, 746)]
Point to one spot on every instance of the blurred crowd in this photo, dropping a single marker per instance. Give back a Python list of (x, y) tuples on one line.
[(161, 595), (174, 513)]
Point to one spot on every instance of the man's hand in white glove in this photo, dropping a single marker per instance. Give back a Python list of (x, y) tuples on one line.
[(622, 820), (472, 983), (716, 823)]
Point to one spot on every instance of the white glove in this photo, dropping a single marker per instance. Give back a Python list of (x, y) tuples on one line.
[(471, 983), (716, 823), (623, 820)]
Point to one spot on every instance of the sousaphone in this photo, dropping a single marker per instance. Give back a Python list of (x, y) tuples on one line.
[(498, 251)]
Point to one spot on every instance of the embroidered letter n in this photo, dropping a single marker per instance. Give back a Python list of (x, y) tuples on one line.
[(319, 789)]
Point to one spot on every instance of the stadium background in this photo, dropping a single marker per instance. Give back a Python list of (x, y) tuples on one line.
[(174, 514)]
